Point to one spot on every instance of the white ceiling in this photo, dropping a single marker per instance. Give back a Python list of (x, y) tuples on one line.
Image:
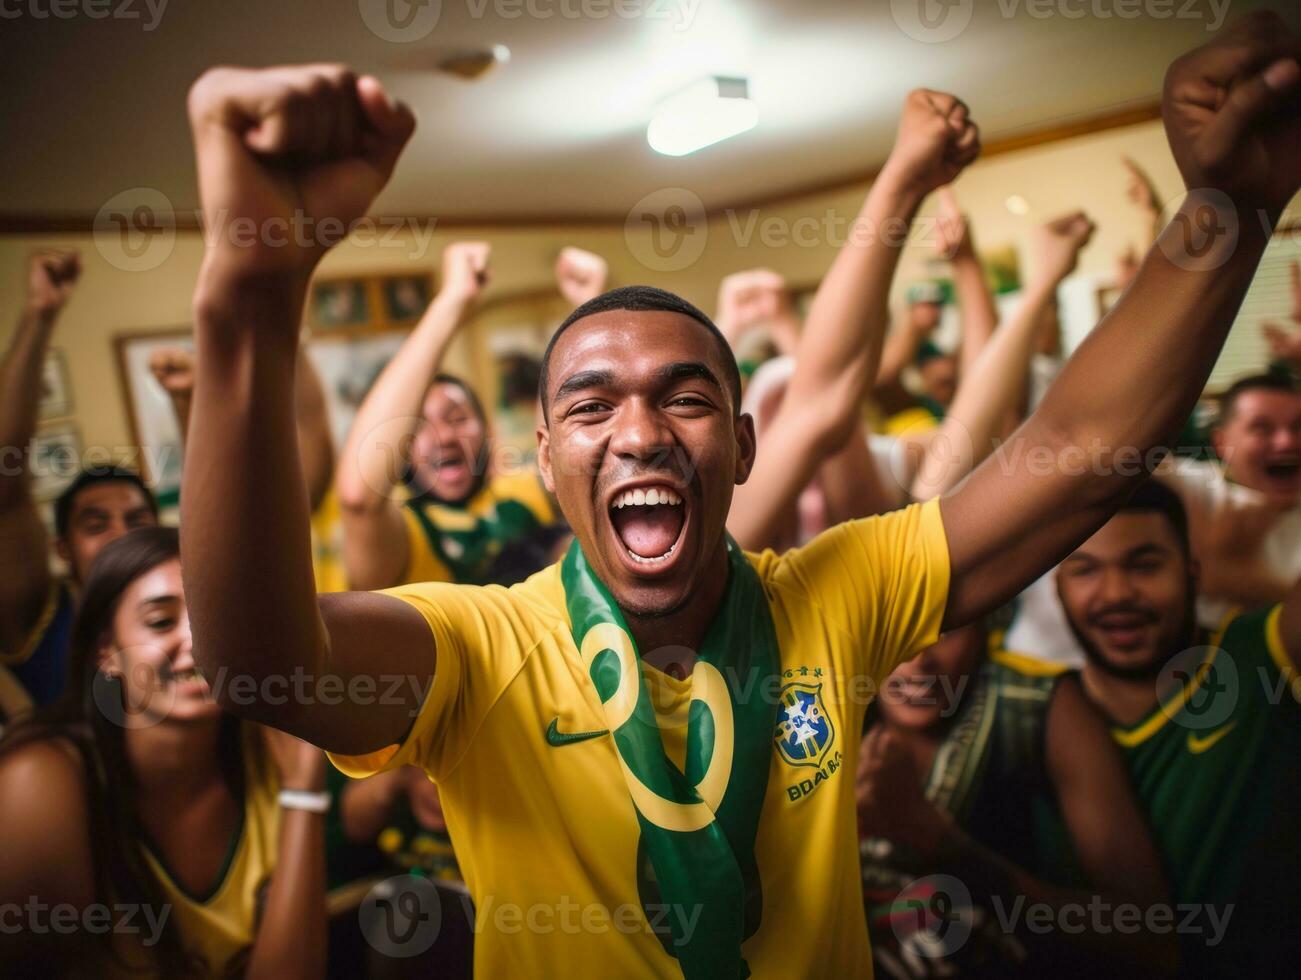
[(93, 107)]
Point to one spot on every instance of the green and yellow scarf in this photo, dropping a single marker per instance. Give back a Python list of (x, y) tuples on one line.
[(696, 853)]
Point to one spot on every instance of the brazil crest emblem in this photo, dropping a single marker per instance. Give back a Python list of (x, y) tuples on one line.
[(804, 731)]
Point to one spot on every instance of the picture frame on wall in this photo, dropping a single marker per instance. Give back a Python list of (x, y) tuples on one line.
[(341, 304), (55, 460), (56, 390), (405, 297), (150, 415)]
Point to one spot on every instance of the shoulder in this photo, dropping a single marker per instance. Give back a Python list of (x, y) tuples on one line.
[(1020, 665), (43, 802)]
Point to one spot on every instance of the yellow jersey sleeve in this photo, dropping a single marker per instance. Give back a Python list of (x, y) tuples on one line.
[(882, 582), (481, 640)]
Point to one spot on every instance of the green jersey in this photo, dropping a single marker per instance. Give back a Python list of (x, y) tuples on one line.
[(1215, 766)]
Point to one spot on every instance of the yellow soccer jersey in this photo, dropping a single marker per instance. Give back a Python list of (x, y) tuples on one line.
[(219, 928), (456, 544), (545, 829)]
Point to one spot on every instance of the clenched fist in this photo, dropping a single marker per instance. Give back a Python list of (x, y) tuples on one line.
[(289, 159), (51, 277), (173, 369), (465, 271), (1232, 112), (580, 275), (1057, 245), (937, 139)]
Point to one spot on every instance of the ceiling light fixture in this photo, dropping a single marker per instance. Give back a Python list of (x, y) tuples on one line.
[(708, 112)]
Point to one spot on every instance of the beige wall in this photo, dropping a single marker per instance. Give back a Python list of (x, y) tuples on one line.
[(1079, 172)]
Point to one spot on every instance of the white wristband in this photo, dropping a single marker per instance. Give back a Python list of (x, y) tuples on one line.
[(297, 799)]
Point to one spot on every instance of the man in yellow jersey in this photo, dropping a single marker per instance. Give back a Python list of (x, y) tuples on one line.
[(438, 511), (618, 820)]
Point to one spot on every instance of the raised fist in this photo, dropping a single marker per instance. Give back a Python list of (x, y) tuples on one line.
[(1233, 115), (173, 369), (465, 270), (936, 141), (289, 159), (580, 275), (51, 277), (952, 234), (748, 299), (1057, 245)]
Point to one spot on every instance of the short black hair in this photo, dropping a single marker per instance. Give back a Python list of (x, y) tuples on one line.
[(93, 477), (442, 378), (643, 299), (1153, 496), (1270, 381)]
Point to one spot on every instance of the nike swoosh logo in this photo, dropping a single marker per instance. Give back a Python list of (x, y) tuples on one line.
[(557, 738), (1199, 745)]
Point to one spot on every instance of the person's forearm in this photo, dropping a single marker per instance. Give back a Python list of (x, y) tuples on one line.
[(851, 484), (1135, 379), (372, 462), (979, 316), (840, 346), (291, 937), (244, 516), (20, 393), (899, 349), (181, 405), (987, 392)]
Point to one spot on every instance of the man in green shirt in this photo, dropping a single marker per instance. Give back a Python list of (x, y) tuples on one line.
[(1210, 727)]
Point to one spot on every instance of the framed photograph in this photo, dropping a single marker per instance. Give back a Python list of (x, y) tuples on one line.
[(348, 366), (154, 427), (405, 297), (55, 460), (341, 304), (56, 391)]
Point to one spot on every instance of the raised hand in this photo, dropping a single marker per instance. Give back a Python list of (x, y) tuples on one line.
[(173, 369), (936, 141), (289, 159), (465, 271), (1284, 342), (953, 236), (1139, 187), (1233, 117), (580, 275), (1057, 245), (748, 299), (51, 277)]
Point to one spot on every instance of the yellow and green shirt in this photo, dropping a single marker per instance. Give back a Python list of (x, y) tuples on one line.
[(461, 543), (1215, 765), (547, 834)]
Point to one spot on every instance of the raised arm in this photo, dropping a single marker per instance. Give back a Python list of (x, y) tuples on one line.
[(580, 275), (375, 544), (841, 341), (25, 572), (307, 144), (757, 298), (979, 316), (995, 383), (1231, 116)]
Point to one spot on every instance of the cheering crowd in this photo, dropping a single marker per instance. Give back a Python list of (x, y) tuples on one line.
[(805, 647)]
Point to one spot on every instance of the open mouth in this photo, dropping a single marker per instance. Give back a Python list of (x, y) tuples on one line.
[(649, 522), (1283, 470), (1124, 630)]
